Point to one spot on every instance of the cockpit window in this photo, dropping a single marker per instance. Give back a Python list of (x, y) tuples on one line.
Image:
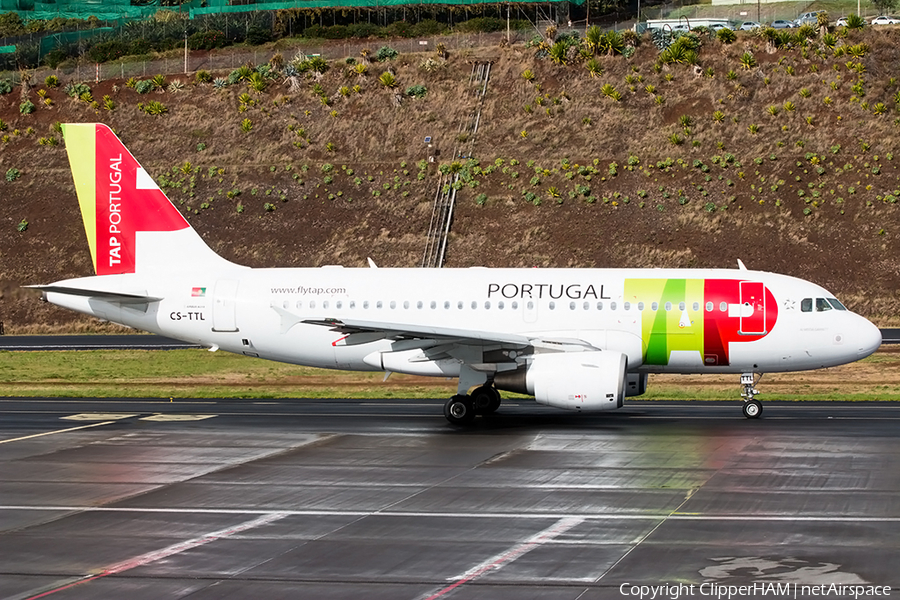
[(806, 305), (822, 305), (836, 304)]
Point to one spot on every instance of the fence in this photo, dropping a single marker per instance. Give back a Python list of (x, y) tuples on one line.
[(230, 59)]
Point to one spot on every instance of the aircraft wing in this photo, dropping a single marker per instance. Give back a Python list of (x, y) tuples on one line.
[(109, 296), (460, 336)]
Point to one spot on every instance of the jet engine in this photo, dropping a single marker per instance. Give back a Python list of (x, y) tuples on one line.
[(588, 381)]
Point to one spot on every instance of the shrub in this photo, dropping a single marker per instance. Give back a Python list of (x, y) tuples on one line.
[(22, 226), (388, 80), (386, 53), (52, 81), (27, 107), (207, 40), (416, 91), (246, 125), (106, 51), (13, 174), (5, 86), (203, 76), (145, 86), (154, 108), (726, 36)]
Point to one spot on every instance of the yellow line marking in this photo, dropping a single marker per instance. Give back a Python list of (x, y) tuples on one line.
[(99, 416), (177, 417), (27, 437)]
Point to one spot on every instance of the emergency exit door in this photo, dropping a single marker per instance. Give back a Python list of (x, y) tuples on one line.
[(753, 308)]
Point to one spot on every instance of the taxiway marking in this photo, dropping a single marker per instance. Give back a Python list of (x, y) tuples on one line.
[(155, 555), (36, 435)]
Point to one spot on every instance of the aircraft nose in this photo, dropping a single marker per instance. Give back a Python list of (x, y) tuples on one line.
[(867, 337)]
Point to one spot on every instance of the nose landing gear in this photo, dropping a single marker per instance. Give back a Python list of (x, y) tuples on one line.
[(752, 407)]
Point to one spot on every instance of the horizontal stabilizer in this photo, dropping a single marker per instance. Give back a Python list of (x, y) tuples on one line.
[(109, 296)]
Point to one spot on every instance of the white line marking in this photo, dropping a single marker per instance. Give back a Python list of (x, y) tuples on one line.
[(176, 417), (495, 563), (28, 437), (465, 515), (149, 557), (99, 416)]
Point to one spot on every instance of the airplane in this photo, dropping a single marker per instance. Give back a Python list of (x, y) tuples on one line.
[(579, 339)]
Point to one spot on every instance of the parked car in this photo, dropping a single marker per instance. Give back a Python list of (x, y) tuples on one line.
[(782, 24), (749, 26), (808, 18), (718, 26), (885, 20), (842, 22)]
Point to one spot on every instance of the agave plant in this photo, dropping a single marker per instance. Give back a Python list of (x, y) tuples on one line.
[(220, 83), (558, 52), (159, 82), (747, 60), (594, 67), (388, 80), (592, 37)]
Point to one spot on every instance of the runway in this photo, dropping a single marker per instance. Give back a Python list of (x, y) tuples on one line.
[(383, 499)]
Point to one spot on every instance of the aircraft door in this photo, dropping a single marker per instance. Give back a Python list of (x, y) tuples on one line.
[(223, 312), (753, 308)]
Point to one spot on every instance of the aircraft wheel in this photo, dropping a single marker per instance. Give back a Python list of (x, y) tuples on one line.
[(460, 410), (752, 409), (486, 400)]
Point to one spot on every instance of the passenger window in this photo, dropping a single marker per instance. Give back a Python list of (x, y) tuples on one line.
[(626, 305), (366, 304), (612, 306), (587, 306), (419, 304), (640, 306), (459, 305), (446, 304), (325, 305), (352, 304), (393, 304), (681, 306), (822, 305), (836, 304), (406, 304), (530, 305), (552, 305), (668, 306), (571, 306), (806, 305), (709, 306), (433, 305), (338, 304), (515, 305), (654, 306), (286, 304), (312, 303), (474, 305), (487, 304), (500, 305), (599, 306), (723, 306), (299, 304), (696, 306), (378, 304)]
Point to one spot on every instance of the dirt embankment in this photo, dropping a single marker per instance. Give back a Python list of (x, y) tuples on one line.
[(789, 165)]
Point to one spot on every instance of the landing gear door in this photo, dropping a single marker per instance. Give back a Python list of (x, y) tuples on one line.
[(753, 308), (224, 306)]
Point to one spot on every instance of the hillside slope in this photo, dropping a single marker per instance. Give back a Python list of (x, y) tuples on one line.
[(797, 174)]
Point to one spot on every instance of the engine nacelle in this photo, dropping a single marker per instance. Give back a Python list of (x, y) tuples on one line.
[(588, 381)]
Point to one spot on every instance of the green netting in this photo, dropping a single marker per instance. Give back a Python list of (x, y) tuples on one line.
[(122, 9), (352, 4), (7, 49), (55, 40)]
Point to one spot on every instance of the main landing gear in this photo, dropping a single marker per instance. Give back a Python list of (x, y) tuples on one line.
[(752, 407), (461, 409)]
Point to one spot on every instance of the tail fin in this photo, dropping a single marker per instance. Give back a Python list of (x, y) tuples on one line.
[(131, 226)]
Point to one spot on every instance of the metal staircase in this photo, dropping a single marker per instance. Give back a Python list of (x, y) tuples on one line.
[(445, 197)]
